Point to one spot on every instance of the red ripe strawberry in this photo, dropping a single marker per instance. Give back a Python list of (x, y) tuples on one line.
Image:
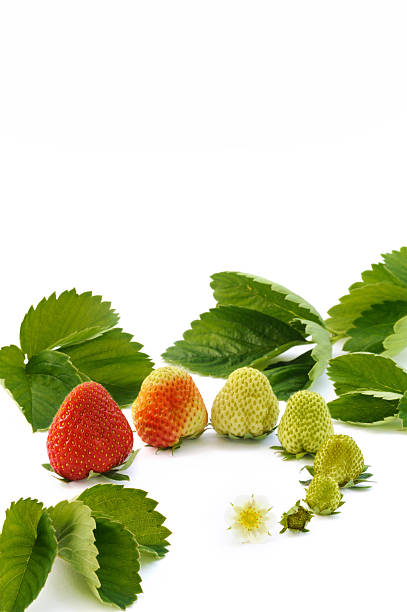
[(89, 432), (168, 408)]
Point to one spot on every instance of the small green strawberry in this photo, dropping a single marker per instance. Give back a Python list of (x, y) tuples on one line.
[(323, 495), (296, 518), (305, 424), (341, 458)]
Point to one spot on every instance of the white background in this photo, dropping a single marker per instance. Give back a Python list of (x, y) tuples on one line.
[(148, 144)]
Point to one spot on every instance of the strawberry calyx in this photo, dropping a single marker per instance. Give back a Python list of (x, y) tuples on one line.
[(178, 444), (286, 456), (247, 436), (361, 482), (113, 474)]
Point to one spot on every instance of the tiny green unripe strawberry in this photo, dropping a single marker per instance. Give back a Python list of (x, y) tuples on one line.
[(246, 406), (305, 424), (296, 518), (341, 458), (323, 495)]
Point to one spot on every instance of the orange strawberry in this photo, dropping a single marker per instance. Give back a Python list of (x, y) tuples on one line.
[(168, 408), (89, 433)]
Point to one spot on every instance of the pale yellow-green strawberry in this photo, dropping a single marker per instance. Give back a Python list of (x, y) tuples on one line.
[(305, 424), (246, 406), (323, 495), (341, 458)]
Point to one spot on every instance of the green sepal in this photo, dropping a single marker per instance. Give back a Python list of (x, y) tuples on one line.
[(178, 444), (359, 482), (113, 474), (327, 512), (247, 436), (310, 470), (49, 468), (286, 456)]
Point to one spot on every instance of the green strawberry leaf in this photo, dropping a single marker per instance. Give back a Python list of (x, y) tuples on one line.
[(255, 293), (113, 361), (230, 337), (322, 351), (287, 377), (366, 372), (383, 283), (377, 274), (396, 263), (374, 326), (360, 299), (65, 320), (402, 410), (14, 378), (255, 321), (74, 528), (134, 510), (397, 341), (27, 551), (52, 377), (371, 388), (40, 386), (119, 563), (361, 408)]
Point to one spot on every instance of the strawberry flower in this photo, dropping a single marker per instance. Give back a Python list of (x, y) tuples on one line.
[(251, 518)]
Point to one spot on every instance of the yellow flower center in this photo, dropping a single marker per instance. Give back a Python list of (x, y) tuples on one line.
[(250, 518)]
